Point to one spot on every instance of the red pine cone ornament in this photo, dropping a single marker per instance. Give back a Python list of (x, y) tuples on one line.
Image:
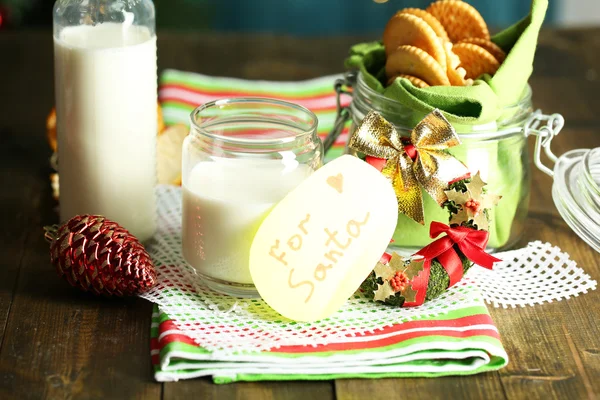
[(94, 253)]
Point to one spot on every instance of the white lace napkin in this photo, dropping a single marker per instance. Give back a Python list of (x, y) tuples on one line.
[(533, 275)]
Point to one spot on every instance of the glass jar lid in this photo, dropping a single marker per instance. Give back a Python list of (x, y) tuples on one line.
[(576, 174), (576, 193)]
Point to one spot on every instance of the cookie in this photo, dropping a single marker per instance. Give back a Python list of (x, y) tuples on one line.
[(411, 60), (456, 73), (490, 46), (406, 29), (475, 60), (413, 79), (431, 21), (460, 20)]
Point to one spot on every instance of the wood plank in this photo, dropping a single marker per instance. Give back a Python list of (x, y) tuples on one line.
[(63, 343), (553, 347), (549, 350), (205, 389), (254, 56), (480, 386), (60, 342), (19, 117), (16, 219), (549, 95), (550, 346), (541, 366)]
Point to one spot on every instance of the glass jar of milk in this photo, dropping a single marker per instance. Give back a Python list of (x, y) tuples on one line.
[(242, 156), (105, 83)]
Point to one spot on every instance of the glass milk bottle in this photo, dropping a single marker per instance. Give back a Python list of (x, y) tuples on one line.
[(106, 84)]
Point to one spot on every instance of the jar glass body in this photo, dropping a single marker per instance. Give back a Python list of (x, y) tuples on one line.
[(242, 156), (497, 150), (106, 110)]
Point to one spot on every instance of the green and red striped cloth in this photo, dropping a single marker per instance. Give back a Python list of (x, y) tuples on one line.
[(460, 342)]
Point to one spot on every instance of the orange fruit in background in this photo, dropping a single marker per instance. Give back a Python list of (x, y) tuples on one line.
[(51, 130)]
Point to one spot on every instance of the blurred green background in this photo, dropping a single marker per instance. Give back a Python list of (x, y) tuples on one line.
[(301, 17)]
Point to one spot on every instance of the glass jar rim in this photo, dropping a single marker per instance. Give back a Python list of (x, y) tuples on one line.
[(310, 129), (525, 99), (512, 121)]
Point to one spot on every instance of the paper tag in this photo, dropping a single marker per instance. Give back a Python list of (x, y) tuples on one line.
[(323, 239)]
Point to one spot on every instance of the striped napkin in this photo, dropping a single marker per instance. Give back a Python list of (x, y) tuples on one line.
[(461, 341)]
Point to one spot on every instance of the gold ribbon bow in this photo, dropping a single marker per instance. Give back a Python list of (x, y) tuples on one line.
[(431, 167)]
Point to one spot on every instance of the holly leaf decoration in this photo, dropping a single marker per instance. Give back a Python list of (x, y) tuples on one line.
[(387, 271), (410, 295), (396, 263), (459, 198), (414, 268), (475, 187), (472, 203), (383, 271), (480, 219), (384, 291), (460, 217)]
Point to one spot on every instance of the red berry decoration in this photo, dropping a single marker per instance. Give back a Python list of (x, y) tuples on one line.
[(399, 281), (473, 205), (94, 253)]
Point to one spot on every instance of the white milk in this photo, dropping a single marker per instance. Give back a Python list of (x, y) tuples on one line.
[(224, 203), (106, 120)]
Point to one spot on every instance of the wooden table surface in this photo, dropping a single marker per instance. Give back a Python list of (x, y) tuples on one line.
[(56, 342)]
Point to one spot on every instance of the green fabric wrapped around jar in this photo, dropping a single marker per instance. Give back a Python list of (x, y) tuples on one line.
[(489, 117)]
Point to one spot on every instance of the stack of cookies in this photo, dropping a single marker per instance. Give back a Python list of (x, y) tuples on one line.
[(447, 44)]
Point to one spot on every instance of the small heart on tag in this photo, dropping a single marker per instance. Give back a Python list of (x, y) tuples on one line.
[(336, 182)]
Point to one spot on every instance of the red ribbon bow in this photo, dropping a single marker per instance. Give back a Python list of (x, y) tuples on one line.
[(471, 243)]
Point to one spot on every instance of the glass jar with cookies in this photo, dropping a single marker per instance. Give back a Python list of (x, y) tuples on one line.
[(444, 57)]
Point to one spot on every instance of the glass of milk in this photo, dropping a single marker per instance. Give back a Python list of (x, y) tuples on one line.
[(105, 84), (241, 157)]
